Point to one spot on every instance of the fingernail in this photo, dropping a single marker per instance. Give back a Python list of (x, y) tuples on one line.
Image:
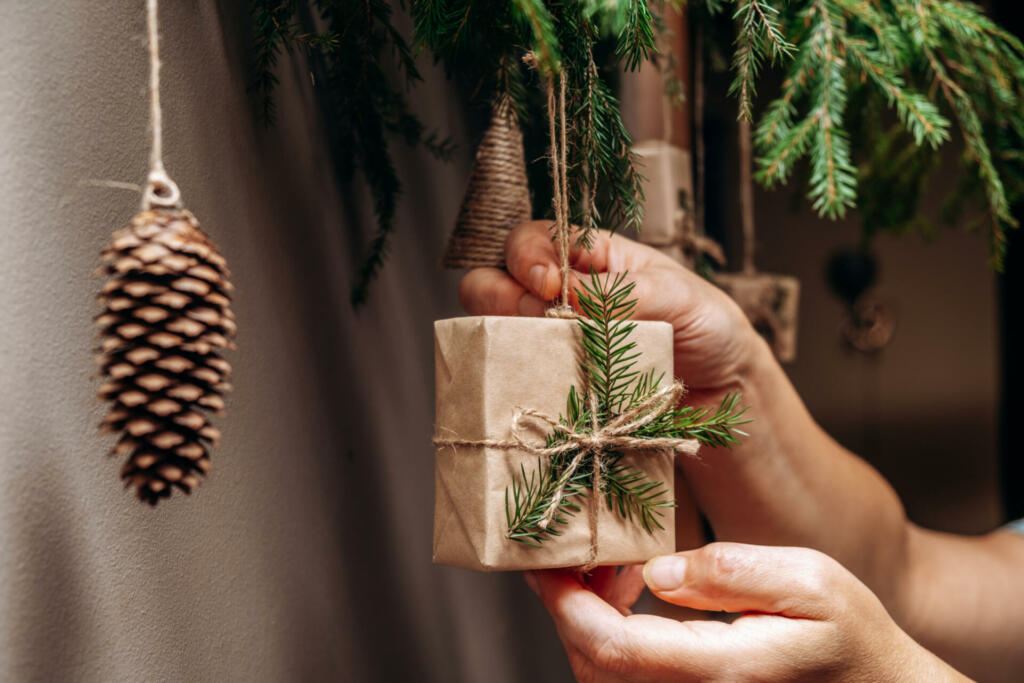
[(665, 573), (531, 581), (538, 277)]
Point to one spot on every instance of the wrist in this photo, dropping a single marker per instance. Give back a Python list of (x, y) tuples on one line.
[(914, 662), (794, 475)]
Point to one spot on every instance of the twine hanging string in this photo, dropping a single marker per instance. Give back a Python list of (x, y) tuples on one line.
[(694, 240), (160, 190), (618, 433), (558, 160), (559, 178), (746, 195)]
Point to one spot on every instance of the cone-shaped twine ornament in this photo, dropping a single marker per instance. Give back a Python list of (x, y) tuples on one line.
[(498, 195), (165, 319)]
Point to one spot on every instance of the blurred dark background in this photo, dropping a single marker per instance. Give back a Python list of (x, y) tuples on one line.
[(935, 410), (1011, 289)]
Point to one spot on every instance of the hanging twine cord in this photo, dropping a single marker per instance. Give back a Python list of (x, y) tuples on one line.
[(587, 202), (746, 195), (559, 177), (695, 241), (618, 433), (558, 160), (160, 190)]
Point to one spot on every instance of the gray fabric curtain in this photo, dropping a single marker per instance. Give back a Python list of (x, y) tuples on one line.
[(306, 555)]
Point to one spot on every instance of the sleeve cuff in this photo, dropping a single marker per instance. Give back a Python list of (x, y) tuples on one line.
[(1016, 527)]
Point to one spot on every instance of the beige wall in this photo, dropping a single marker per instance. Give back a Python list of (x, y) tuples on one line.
[(306, 554)]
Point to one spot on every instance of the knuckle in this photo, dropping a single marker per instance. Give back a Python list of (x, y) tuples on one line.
[(821, 579), (486, 291), (491, 292), (610, 655), (722, 561), (518, 236)]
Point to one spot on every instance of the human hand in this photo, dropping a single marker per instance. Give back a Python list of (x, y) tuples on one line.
[(787, 482), (802, 617), (714, 343)]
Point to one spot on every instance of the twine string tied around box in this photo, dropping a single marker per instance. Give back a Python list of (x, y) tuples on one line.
[(618, 433)]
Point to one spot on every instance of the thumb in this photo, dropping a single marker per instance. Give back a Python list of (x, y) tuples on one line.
[(734, 577)]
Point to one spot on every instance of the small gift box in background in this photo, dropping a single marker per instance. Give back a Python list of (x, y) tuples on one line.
[(489, 369), (667, 187), (771, 303), (668, 223)]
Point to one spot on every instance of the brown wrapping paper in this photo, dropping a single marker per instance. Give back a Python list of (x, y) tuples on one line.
[(486, 368)]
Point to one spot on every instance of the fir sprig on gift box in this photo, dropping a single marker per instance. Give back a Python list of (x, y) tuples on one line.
[(612, 387)]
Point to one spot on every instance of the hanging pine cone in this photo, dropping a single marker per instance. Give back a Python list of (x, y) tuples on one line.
[(166, 317)]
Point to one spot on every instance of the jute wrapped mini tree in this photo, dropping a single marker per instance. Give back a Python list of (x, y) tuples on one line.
[(166, 318), (497, 197)]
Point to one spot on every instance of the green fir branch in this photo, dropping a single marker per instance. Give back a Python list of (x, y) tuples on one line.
[(628, 491), (931, 61), (635, 41), (348, 43), (610, 354), (603, 162), (529, 497), (274, 30), (717, 428), (759, 38), (931, 33), (536, 15)]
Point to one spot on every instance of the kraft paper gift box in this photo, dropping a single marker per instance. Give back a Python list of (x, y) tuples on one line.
[(487, 368)]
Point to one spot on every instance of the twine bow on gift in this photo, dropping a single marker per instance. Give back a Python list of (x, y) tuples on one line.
[(618, 433)]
